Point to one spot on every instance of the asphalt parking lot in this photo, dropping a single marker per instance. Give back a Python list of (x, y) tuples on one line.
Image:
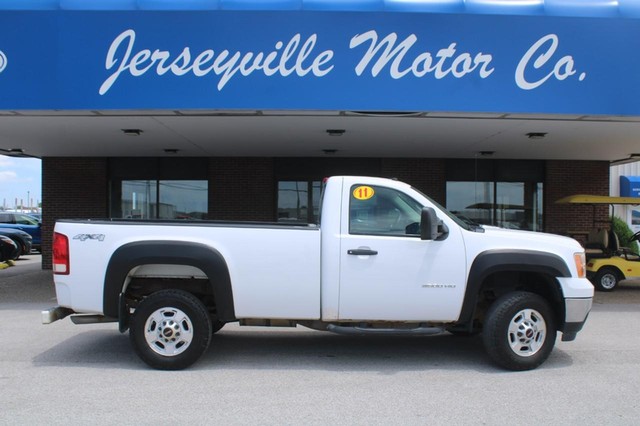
[(69, 374)]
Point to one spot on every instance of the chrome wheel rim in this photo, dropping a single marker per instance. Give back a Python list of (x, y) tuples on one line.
[(527, 332), (608, 281), (168, 331)]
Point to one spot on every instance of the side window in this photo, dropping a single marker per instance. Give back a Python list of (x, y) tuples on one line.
[(6, 218), (23, 219), (376, 210)]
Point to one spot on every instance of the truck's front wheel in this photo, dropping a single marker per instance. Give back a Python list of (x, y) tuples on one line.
[(519, 331), (170, 330)]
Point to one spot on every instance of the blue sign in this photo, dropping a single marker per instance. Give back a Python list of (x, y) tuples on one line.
[(302, 60), (630, 186)]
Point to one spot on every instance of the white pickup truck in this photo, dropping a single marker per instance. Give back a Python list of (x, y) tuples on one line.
[(385, 259)]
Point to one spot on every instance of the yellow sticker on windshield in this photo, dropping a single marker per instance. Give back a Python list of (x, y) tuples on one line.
[(363, 193)]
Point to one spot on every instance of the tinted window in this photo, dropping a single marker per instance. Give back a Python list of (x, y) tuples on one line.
[(23, 219), (163, 199), (295, 198), (516, 205)]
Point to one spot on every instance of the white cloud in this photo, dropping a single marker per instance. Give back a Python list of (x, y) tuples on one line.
[(7, 177), (5, 161)]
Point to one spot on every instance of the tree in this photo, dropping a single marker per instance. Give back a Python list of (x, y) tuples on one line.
[(624, 234)]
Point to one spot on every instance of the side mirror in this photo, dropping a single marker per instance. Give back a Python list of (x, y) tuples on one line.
[(428, 224), (432, 228)]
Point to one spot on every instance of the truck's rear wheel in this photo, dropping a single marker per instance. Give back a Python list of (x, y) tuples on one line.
[(519, 331), (170, 329)]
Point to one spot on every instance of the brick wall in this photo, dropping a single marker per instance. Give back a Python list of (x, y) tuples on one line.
[(575, 177), (426, 174), (71, 188), (242, 189)]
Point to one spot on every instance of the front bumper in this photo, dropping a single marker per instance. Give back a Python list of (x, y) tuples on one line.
[(576, 313)]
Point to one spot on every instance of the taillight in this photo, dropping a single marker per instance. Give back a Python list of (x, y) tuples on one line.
[(60, 254)]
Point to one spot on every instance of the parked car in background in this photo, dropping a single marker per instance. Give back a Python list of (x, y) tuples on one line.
[(36, 216), (9, 250), (21, 238), (23, 222)]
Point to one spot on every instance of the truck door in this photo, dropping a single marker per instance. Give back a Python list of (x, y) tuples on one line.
[(386, 271)]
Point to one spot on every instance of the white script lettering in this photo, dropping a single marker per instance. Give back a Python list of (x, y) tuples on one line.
[(561, 70), (294, 57), (447, 61)]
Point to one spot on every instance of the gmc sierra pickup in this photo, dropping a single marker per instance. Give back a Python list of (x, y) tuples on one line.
[(384, 259)]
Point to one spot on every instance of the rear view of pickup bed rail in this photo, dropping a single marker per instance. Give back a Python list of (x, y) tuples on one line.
[(385, 259)]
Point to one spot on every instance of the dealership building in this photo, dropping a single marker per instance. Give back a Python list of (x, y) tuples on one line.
[(237, 109)]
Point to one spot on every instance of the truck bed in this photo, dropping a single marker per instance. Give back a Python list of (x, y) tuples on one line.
[(274, 267)]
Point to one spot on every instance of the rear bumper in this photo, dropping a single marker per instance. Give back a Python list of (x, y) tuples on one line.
[(55, 314), (60, 312)]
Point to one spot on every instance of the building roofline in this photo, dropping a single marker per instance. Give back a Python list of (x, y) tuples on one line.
[(566, 8)]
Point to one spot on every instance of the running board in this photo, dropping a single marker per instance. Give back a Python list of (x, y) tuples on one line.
[(423, 331), (91, 319)]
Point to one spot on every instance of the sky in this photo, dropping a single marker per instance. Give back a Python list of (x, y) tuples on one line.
[(19, 178)]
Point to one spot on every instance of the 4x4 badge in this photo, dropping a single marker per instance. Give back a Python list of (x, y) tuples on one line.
[(84, 237)]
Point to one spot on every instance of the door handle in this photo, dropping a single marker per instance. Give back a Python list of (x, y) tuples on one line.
[(362, 252)]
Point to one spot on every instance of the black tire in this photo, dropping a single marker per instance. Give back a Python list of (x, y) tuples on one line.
[(519, 331), (606, 279), (170, 330)]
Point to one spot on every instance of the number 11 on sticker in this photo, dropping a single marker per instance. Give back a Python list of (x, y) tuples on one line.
[(363, 193)]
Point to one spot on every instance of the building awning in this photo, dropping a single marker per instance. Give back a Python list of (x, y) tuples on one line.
[(575, 8)]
